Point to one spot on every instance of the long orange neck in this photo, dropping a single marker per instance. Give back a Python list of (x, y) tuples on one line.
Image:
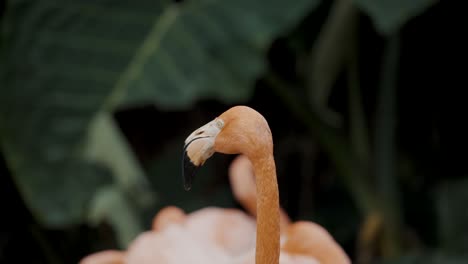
[(242, 180), (268, 218)]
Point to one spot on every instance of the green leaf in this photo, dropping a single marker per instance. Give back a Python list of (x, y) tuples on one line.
[(61, 62), (67, 64), (207, 49), (106, 145), (452, 199), (390, 15), (111, 205)]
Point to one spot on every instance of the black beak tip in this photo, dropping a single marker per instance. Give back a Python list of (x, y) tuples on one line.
[(188, 171)]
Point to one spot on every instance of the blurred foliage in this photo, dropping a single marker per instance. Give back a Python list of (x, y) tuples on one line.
[(96, 98), (79, 75), (389, 16)]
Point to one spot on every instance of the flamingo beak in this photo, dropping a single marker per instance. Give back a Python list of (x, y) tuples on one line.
[(199, 147)]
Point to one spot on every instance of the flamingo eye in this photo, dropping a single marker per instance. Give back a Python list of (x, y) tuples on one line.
[(219, 123)]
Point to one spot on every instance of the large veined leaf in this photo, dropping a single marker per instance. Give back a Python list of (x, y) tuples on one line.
[(61, 61), (207, 49), (389, 15), (67, 65)]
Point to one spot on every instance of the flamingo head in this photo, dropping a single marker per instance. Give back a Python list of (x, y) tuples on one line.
[(239, 130)]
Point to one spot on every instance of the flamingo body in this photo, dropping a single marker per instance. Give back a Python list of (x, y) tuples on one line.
[(215, 235)]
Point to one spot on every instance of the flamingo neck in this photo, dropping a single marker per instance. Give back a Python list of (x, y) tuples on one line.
[(268, 218)]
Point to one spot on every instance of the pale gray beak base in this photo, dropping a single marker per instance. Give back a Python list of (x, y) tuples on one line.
[(199, 146)]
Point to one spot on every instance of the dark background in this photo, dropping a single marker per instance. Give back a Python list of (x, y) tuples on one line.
[(373, 148)]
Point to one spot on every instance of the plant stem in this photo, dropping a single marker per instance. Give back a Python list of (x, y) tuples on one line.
[(334, 144), (385, 153), (358, 128), (328, 55), (48, 251)]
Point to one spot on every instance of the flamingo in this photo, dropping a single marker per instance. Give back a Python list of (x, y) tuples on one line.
[(240, 130), (242, 182), (229, 230), (304, 238)]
